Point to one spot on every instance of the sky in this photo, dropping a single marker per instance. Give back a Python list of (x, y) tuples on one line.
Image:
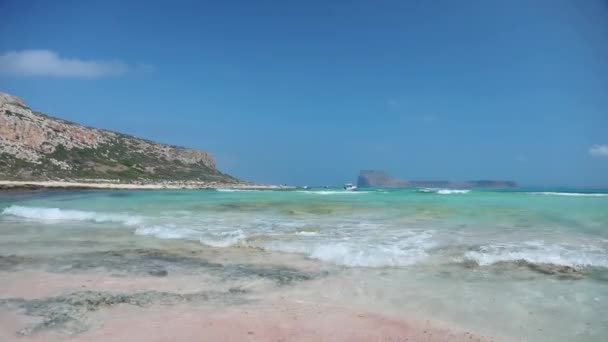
[(311, 92)]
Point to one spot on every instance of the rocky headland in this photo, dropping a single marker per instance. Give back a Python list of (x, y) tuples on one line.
[(38, 150)]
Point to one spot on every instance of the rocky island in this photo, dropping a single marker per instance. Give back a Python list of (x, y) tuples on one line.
[(38, 150), (380, 179)]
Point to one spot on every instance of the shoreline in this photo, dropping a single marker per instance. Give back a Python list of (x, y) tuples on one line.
[(33, 185), (96, 312)]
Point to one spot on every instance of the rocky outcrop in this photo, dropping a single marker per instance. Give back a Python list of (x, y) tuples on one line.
[(380, 179), (35, 146)]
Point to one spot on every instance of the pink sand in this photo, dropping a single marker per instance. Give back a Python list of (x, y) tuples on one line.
[(270, 318)]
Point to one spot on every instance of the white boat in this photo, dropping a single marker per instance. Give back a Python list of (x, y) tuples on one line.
[(349, 187)]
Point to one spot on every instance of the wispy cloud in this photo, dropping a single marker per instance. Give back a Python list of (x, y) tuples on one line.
[(47, 63), (599, 150)]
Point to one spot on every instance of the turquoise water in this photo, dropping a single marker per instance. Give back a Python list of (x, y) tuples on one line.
[(505, 262), (373, 228)]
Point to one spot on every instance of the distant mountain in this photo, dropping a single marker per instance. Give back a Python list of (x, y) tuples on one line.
[(380, 179), (35, 146)]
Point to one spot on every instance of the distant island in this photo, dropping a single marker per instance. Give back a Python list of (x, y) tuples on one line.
[(380, 179), (40, 150)]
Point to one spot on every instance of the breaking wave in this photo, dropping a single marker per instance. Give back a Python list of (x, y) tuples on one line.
[(237, 190), (223, 239), (444, 191), (307, 233), (537, 253), (349, 255), (332, 192), (408, 249), (169, 232), (56, 214), (573, 194), (353, 243), (212, 239)]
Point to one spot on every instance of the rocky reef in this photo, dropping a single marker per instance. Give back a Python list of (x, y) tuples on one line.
[(68, 312), (35, 146)]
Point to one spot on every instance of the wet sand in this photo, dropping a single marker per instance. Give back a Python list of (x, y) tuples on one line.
[(52, 303), (256, 316), (283, 321)]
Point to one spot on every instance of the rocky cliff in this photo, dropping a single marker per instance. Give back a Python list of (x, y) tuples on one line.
[(35, 146), (380, 179)]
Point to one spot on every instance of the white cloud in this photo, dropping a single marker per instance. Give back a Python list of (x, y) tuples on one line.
[(599, 150), (49, 63)]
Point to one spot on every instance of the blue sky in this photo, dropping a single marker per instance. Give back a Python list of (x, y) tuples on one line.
[(310, 92)]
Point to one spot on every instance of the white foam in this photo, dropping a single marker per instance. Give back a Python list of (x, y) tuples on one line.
[(538, 253), (169, 232), (444, 191), (333, 192), (51, 215), (236, 190), (223, 239), (408, 248), (452, 191), (305, 233), (380, 256), (573, 194)]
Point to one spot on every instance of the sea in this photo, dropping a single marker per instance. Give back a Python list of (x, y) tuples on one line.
[(516, 264)]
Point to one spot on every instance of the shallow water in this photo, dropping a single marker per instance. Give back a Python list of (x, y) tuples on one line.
[(530, 265)]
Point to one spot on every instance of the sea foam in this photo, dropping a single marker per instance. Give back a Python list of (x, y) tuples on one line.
[(162, 232), (237, 190), (444, 191), (537, 253), (572, 194), (55, 214), (407, 249), (223, 239), (332, 192), (379, 256)]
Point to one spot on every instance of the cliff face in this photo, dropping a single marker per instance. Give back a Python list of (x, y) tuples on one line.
[(379, 179), (35, 146)]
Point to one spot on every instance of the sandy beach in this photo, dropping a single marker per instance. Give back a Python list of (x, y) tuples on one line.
[(278, 315), (300, 265), (130, 186), (108, 285)]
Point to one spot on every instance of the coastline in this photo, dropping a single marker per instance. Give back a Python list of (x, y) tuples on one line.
[(301, 265), (277, 315), (118, 301), (21, 185)]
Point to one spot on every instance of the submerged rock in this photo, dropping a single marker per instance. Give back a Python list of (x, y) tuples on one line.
[(560, 271), (10, 262), (158, 273), (68, 312), (553, 269), (158, 263)]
